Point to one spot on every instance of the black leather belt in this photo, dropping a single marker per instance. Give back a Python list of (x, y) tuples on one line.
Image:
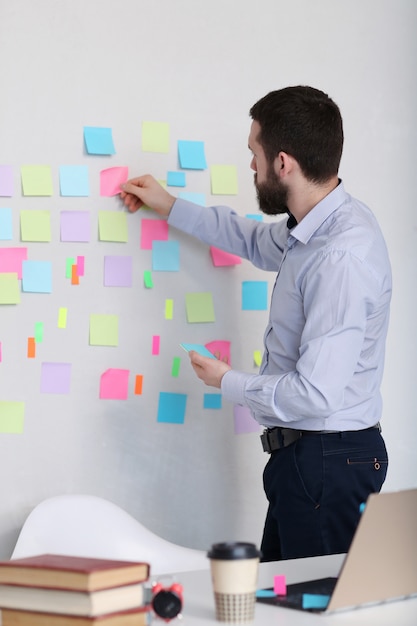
[(275, 438)]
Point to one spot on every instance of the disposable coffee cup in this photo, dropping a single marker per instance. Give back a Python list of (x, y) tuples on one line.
[(234, 574)]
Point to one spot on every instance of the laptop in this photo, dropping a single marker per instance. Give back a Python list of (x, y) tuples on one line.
[(381, 564)]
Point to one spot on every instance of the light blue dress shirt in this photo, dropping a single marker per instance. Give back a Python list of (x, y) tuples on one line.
[(325, 340)]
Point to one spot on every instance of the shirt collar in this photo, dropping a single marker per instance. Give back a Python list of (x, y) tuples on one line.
[(318, 214)]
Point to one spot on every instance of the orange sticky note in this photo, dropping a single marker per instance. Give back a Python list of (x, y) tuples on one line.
[(31, 347), (138, 384), (74, 275)]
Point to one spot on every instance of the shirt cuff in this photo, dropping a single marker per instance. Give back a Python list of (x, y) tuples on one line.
[(184, 215), (233, 385)]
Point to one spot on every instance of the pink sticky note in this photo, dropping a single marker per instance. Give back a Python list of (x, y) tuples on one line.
[(220, 349), (114, 384), (280, 586), (155, 344), (111, 179), (151, 230), (244, 422), (80, 265), (11, 260), (221, 258)]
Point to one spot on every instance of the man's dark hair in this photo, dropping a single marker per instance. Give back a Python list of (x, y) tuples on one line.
[(306, 124)]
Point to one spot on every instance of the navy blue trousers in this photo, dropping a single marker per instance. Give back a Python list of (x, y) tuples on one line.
[(315, 488)]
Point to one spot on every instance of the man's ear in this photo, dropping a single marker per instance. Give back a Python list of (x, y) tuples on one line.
[(283, 164)]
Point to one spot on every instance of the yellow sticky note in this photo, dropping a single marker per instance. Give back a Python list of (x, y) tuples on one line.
[(104, 330), (35, 225), (62, 317), (223, 179), (112, 226), (155, 137), (9, 288), (169, 309), (36, 180), (257, 357), (12, 416)]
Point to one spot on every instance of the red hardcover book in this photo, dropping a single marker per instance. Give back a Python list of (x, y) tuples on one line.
[(58, 571), (137, 617)]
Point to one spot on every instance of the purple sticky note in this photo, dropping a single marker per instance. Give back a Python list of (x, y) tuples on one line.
[(118, 271), (55, 378), (114, 384), (75, 226), (244, 422), (6, 181)]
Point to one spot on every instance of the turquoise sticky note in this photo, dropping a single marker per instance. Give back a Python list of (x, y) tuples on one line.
[(37, 276), (73, 180), (176, 179), (165, 256), (212, 401), (191, 196), (315, 601), (171, 407), (98, 140), (255, 216), (191, 155), (265, 593), (254, 295), (197, 347), (6, 224)]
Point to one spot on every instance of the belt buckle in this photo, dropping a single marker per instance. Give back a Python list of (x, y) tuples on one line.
[(272, 439)]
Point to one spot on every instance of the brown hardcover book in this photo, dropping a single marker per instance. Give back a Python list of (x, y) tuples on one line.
[(58, 571), (137, 617), (63, 601)]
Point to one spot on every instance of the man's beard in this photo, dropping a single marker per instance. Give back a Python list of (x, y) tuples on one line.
[(272, 195)]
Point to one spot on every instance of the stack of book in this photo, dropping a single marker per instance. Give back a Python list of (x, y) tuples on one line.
[(59, 590)]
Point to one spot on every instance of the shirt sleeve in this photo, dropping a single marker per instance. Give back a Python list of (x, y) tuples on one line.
[(220, 226)]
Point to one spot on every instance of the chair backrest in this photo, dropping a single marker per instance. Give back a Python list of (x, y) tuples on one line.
[(85, 525)]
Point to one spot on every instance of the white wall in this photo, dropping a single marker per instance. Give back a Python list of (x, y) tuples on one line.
[(198, 66)]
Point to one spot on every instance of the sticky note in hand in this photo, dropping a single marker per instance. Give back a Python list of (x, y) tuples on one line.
[(197, 347)]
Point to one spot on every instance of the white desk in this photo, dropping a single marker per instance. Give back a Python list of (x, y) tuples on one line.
[(199, 602)]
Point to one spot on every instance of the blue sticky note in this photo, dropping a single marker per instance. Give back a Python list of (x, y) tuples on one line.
[(165, 256), (254, 295), (191, 155), (315, 601), (98, 140), (176, 179), (73, 180), (255, 216), (265, 593), (37, 276), (212, 401), (6, 224), (191, 196), (171, 407), (197, 347)]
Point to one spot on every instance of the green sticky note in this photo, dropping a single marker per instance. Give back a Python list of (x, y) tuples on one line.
[(155, 137), (36, 180), (147, 279), (176, 362), (112, 226), (104, 330), (35, 225), (12, 416), (223, 179), (38, 332), (70, 261), (9, 288), (199, 307)]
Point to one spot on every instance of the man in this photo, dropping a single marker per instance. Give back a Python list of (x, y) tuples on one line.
[(318, 389)]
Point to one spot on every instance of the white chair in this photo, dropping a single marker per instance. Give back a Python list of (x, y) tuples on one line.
[(85, 525)]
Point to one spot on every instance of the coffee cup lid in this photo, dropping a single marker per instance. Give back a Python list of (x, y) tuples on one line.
[(231, 550)]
